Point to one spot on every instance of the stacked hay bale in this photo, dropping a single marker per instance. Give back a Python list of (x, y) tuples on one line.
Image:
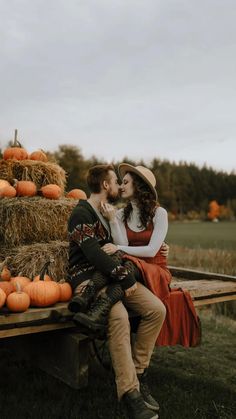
[(34, 228)]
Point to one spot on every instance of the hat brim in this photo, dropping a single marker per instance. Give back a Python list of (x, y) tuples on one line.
[(125, 167)]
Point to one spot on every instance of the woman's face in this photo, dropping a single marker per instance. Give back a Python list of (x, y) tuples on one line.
[(127, 187)]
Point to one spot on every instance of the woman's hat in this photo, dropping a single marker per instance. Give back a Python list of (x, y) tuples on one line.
[(141, 171)]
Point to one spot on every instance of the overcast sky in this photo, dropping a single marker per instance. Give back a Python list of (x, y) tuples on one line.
[(143, 78)]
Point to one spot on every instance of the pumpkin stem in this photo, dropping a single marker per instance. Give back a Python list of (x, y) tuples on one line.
[(15, 137), (18, 287), (25, 174), (16, 143), (44, 269)]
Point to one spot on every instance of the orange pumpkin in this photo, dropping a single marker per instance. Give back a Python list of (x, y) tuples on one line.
[(18, 301), (2, 298), (76, 194), (65, 291), (7, 287), (25, 188), (51, 191), (4, 183), (43, 293), (38, 155), (7, 192), (16, 152), (5, 273), (22, 281)]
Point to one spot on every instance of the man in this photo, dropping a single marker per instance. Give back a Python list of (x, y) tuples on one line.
[(88, 232)]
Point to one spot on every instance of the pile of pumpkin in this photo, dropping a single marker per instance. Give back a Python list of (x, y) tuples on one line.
[(27, 187), (19, 293)]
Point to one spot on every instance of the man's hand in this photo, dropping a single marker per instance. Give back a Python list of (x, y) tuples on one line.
[(165, 249), (109, 248), (108, 211), (131, 290)]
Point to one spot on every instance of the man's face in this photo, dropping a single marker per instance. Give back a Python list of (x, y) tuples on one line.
[(113, 187)]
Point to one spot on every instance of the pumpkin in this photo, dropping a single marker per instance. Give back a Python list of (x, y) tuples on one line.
[(46, 278), (5, 274), (16, 152), (7, 192), (51, 191), (22, 281), (76, 194), (4, 183), (43, 293), (38, 155), (25, 188), (2, 298), (18, 301), (7, 287), (65, 291)]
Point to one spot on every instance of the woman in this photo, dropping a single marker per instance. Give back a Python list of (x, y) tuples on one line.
[(139, 230)]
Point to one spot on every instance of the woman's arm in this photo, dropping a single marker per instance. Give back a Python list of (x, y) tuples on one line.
[(118, 230), (114, 217), (158, 236)]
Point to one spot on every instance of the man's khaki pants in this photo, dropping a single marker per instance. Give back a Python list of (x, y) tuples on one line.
[(129, 361)]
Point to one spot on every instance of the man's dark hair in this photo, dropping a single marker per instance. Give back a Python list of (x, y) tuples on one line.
[(96, 175)]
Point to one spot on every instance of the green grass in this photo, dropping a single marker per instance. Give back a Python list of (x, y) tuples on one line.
[(189, 383), (206, 235)]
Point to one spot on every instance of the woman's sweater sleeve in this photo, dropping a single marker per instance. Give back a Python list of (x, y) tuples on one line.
[(118, 230), (160, 222)]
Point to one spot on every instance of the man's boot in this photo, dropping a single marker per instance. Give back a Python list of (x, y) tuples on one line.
[(150, 402), (96, 317), (81, 302), (136, 407)]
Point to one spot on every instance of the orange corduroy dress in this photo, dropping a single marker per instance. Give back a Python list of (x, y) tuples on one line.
[(181, 325)]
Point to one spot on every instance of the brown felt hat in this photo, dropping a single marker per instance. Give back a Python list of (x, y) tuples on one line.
[(145, 174)]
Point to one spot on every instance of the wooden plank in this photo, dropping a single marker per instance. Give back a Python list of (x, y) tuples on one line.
[(185, 273), (33, 314), (17, 331), (205, 288), (214, 300), (63, 354)]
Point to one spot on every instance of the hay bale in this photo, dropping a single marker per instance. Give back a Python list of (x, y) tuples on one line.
[(40, 173), (30, 220), (29, 259)]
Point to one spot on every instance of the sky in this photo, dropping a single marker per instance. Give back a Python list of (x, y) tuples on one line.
[(121, 78)]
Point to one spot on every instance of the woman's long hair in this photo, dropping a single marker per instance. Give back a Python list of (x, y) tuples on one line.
[(145, 200)]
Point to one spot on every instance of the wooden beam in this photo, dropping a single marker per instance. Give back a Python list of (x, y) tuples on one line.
[(214, 300), (185, 273), (27, 330)]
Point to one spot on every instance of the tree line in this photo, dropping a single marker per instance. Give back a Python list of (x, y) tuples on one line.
[(184, 189)]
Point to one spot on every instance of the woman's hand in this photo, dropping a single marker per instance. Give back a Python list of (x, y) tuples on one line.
[(130, 290), (109, 248), (108, 211), (165, 249)]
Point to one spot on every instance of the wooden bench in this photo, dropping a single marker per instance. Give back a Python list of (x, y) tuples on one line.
[(52, 330)]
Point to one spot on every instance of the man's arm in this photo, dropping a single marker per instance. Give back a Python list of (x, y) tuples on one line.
[(85, 231)]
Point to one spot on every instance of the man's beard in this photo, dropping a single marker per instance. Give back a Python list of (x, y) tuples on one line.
[(112, 199)]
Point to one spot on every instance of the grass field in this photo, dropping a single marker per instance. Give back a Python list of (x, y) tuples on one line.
[(203, 245), (206, 235), (195, 383)]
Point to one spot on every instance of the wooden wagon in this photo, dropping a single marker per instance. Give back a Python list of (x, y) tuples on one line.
[(51, 331)]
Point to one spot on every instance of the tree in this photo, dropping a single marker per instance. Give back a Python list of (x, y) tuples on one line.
[(214, 210)]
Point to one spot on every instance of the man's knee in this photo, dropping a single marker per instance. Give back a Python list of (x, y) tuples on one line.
[(159, 311), (118, 314)]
